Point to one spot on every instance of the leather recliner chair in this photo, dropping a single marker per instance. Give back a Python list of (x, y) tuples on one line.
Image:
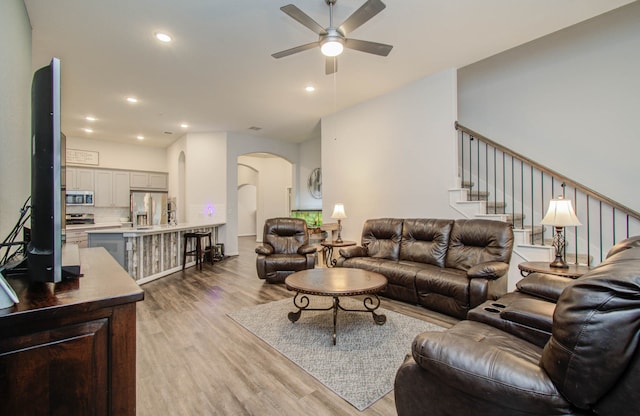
[(285, 249), (589, 366)]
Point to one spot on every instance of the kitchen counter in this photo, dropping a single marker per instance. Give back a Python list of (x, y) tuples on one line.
[(148, 253), (151, 229), (87, 227)]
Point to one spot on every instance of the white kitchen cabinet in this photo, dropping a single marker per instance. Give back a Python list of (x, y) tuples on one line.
[(112, 188), (121, 189), (79, 179), (149, 180)]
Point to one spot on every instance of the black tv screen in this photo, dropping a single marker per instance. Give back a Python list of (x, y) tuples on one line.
[(44, 252)]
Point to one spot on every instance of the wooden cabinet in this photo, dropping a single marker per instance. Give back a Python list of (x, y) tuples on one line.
[(70, 348), (149, 181), (79, 179), (111, 188)]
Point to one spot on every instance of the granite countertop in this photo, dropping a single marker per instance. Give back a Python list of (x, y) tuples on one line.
[(154, 229), (87, 227)]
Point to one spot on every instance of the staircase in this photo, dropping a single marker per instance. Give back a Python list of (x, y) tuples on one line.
[(497, 183)]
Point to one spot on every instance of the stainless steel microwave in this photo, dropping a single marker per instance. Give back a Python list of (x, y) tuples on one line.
[(79, 198)]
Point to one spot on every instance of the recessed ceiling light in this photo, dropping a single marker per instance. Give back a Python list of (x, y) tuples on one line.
[(132, 99), (88, 130), (184, 125), (163, 37), (90, 118), (140, 137), (310, 88)]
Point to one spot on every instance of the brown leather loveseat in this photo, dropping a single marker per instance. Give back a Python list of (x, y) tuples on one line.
[(590, 364), (446, 265)]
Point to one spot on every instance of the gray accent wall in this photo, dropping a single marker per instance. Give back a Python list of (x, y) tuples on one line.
[(569, 100)]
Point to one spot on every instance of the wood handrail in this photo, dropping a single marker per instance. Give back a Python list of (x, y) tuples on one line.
[(584, 189)]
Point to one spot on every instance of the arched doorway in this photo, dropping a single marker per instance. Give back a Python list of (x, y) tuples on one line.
[(272, 176)]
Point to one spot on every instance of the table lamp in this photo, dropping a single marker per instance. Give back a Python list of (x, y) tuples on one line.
[(560, 215), (339, 214)]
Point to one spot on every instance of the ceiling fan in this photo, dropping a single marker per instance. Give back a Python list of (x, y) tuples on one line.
[(333, 39)]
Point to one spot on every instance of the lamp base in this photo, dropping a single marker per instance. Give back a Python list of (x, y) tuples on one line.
[(558, 244), (339, 239), (558, 263)]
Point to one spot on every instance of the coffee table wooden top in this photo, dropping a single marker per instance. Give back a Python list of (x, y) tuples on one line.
[(336, 282)]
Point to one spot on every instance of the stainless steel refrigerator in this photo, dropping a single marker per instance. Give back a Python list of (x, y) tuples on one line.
[(148, 208)]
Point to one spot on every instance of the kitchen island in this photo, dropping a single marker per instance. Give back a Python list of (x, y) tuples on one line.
[(148, 253)]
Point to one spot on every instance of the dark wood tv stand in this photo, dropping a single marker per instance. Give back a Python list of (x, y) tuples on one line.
[(70, 348)]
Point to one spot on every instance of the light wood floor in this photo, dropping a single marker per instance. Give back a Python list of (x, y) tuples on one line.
[(194, 360)]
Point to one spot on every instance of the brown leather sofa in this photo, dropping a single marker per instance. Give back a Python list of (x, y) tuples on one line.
[(285, 249), (528, 311), (590, 364), (449, 266)]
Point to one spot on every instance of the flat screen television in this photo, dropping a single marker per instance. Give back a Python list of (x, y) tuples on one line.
[(44, 251)]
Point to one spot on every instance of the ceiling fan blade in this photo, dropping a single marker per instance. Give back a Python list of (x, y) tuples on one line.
[(330, 65), (303, 18), (297, 49), (362, 15), (368, 47)]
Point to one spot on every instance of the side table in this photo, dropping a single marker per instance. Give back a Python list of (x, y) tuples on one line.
[(573, 271), (327, 249)]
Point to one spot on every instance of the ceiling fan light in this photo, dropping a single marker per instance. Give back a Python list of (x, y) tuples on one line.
[(332, 48)]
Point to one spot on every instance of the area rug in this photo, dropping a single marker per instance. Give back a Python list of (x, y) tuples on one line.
[(361, 367)]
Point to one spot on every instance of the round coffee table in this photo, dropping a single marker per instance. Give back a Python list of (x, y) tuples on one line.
[(336, 282)]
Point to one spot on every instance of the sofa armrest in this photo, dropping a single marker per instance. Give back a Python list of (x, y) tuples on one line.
[(307, 249), (543, 285), (353, 251), (488, 270), (265, 249)]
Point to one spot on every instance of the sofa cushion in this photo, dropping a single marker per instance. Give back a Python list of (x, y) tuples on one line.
[(285, 235), (485, 362), (478, 241), (624, 245), (425, 240), (596, 331), (443, 289), (381, 237), (400, 277), (543, 285)]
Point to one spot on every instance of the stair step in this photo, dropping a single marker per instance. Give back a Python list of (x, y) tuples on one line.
[(477, 196), (570, 258), (496, 207), (467, 184)]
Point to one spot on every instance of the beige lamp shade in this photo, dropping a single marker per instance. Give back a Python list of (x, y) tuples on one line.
[(338, 211), (560, 214)]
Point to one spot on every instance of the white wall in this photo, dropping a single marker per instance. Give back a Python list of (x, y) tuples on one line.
[(115, 155), (206, 187), (309, 159), (247, 203), (173, 153), (393, 156), (15, 111), (247, 200), (569, 100)]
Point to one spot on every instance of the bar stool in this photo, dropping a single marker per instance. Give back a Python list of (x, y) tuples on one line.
[(196, 248)]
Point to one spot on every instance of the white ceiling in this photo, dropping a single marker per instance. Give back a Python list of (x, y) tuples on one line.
[(218, 73)]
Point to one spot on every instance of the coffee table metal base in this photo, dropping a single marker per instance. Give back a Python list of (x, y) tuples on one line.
[(370, 302)]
